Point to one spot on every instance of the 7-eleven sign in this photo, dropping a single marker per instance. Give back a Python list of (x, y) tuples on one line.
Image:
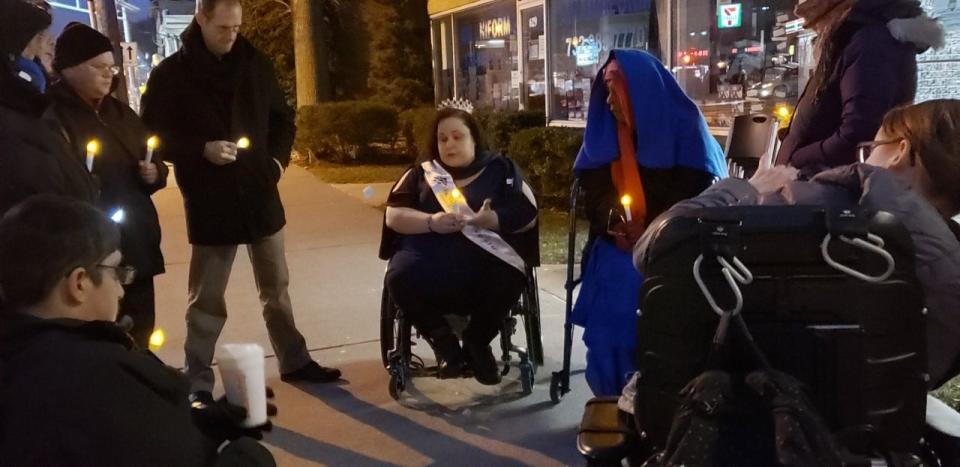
[(730, 15)]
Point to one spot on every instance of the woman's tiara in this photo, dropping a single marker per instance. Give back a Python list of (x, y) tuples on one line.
[(458, 103)]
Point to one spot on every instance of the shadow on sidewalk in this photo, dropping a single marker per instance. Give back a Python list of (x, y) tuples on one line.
[(306, 447), (426, 441), (508, 417)]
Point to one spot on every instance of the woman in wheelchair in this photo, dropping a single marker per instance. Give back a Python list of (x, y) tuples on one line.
[(912, 170), (454, 234)]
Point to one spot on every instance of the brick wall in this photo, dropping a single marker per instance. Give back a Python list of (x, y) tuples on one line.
[(939, 70)]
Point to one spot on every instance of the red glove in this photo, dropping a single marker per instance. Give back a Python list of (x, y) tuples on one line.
[(626, 234)]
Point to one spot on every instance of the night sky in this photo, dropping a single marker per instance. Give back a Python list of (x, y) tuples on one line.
[(141, 24)]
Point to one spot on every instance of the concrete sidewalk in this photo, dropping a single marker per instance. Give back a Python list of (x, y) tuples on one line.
[(336, 281)]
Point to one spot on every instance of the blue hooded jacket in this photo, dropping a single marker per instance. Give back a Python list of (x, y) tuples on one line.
[(670, 129)]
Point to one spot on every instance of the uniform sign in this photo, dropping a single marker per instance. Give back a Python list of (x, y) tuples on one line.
[(730, 15)]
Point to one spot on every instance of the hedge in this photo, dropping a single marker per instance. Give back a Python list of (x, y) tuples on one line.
[(546, 156), (346, 131)]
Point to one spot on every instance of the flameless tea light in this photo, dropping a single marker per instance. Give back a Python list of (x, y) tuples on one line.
[(152, 144), (93, 148), (626, 201)]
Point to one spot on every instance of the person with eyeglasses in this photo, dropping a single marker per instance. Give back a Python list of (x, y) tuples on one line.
[(912, 170), (34, 157), (87, 112), (74, 389)]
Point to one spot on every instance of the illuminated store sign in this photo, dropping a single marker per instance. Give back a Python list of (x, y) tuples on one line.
[(495, 28)]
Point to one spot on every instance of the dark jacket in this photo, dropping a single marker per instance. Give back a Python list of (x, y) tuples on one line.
[(123, 140), (34, 157), (193, 98), (80, 394), (876, 70), (935, 242)]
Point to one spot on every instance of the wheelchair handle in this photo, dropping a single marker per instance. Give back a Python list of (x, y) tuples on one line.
[(875, 245), (733, 273)]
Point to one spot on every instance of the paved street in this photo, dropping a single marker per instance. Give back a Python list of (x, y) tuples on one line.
[(336, 280)]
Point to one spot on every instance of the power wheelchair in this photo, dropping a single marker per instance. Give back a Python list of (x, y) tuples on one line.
[(826, 295)]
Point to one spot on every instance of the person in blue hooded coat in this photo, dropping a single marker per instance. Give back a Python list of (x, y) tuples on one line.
[(646, 147)]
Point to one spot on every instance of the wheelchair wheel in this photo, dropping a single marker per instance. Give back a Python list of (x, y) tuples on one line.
[(527, 377), (531, 318), (397, 384), (556, 393), (388, 319)]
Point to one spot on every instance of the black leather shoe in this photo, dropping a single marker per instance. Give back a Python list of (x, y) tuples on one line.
[(484, 365), (449, 355), (312, 373)]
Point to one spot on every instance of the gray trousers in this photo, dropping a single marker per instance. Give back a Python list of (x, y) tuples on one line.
[(210, 268)]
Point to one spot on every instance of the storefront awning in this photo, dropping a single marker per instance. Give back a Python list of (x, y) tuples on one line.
[(440, 6)]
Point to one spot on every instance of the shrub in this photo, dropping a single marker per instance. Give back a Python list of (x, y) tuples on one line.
[(415, 129), (499, 126), (546, 155), (348, 131)]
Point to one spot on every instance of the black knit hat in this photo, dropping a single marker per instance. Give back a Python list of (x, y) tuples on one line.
[(21, 21), (77, 44)]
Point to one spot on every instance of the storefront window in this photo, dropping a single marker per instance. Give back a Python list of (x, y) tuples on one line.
[(534, 50), (488, 74), (443, 58), (735, 58), (582, 34)]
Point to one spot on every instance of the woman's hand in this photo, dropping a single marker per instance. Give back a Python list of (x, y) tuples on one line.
[(149, 172), (626, 234), (486, 217), (446, 223), (769, 180)]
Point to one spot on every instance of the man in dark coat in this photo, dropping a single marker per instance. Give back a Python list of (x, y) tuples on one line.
[(74, 390), (214, 93), (867, 66), (33, 155), (87, 111)]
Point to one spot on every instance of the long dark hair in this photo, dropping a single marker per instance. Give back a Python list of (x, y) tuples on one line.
[(468, 119)]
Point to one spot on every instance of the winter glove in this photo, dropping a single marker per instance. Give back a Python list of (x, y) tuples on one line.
[(221, 421), (626, 234)]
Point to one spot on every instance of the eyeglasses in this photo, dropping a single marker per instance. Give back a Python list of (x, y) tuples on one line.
[(103, 69), (864, 149), (125, 274)]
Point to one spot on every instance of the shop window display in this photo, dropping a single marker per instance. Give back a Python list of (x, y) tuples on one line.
[(582, 34), (443, 58), (487, 72), (534, 57), (735, 58)]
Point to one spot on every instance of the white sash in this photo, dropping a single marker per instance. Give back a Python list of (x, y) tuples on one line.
[(441, 182)]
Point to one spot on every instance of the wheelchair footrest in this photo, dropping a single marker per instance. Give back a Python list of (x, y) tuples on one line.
[(604, 434)]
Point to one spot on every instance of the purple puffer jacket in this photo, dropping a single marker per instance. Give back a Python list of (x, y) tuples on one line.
[(876, 71), (934, 238)]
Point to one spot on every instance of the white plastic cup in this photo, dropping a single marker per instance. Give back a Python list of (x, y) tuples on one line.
[(241, 370)]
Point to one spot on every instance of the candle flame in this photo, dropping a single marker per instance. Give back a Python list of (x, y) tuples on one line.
[(93, 147), (456, 194), (626, 200), (153, 142), (243, 142), (157, 339)]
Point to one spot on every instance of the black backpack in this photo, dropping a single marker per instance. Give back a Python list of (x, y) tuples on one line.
[(736, 418)]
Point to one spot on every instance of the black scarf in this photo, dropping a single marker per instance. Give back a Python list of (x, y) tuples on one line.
[(479, 163)]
